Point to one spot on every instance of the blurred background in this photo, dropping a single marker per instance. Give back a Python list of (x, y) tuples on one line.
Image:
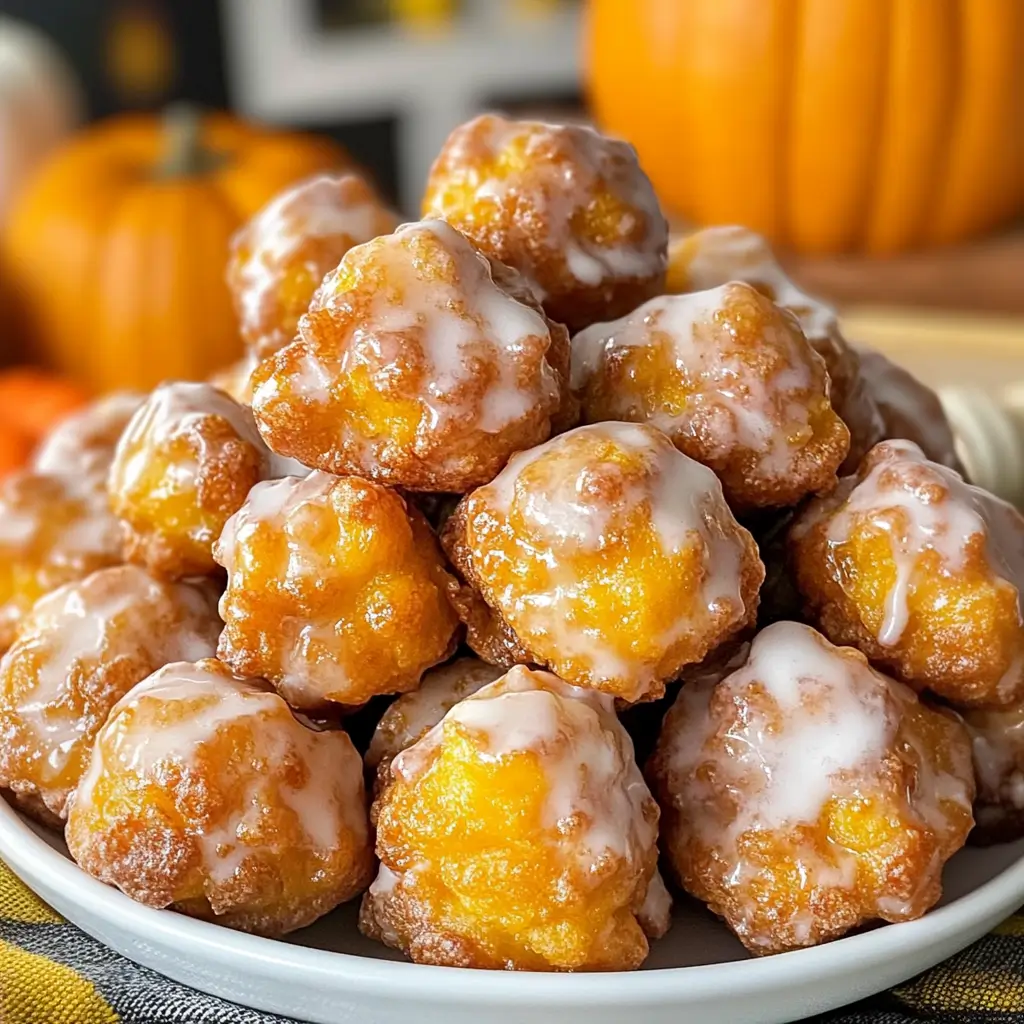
[(878, 143)]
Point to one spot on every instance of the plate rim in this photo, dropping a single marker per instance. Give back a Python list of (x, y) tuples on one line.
[(39, 865)]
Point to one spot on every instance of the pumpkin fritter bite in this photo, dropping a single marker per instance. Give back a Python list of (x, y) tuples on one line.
[(805, 794), (569, 208), (280, 257), (183, 466), (84, 443), (997, 742), (920, 571), (206, 794), (730, 378), (78, 651), (54, 528), (605, 554), (718, 255), (420, 364), (336, 591), (518, 834)]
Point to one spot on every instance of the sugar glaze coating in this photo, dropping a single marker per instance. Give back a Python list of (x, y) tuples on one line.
[(567, 207), (549, 801), (336, 590), (611, 557), (207, 794), (921, 571), (79, 650), (280, 257), (805, 793), (731, 380), (717, 255), (420, 364)]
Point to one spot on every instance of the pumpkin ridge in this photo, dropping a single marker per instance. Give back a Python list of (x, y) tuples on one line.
[(793, 20), (921, 86), (975, 188), (881, 125)]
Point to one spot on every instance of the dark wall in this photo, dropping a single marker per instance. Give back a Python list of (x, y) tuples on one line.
[(135, 54)]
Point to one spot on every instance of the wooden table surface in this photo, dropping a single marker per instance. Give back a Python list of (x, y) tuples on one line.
[(986, 276)]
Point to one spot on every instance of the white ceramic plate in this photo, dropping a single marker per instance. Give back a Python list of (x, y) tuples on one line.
[(329, 974)]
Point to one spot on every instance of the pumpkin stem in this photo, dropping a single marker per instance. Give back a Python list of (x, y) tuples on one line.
[(183, 151)]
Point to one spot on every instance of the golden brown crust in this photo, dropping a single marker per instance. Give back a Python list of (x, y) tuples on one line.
[(183, 467), (575, 528), (279, 258), (714, 256), (543, 859), (943, 615), (336, 592), (569, 209), (731, 379), (420, 364), (78, 652), (487, 632), (53, 530), (175, 828), (841, 809)]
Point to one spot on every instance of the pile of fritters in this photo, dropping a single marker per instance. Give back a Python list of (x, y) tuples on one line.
[(528, 490)]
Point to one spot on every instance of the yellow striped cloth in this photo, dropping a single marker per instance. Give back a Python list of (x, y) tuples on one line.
[(52, 973)]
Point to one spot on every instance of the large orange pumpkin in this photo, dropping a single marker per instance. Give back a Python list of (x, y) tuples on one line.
[(117, 247), (828, 125)]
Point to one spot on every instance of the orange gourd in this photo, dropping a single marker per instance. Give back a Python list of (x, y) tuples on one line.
[(32, 403), (827, 125), (15, 449), (116, 249)]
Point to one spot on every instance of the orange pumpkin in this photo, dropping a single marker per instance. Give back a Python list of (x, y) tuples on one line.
[(117, 247), (32, 403), (15, 449), (827, 125)]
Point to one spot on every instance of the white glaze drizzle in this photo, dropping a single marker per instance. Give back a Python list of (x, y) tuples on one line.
[(923, 506), (59, 519), (586, 755), (84, 443), (565, 509), (655, 914), (734, 405), (328, 804), (325, 206), (114, 613), (172, 411), (274, 502), (732, 253), (814, 724), (307, 668), (555, 193), (454, 323)]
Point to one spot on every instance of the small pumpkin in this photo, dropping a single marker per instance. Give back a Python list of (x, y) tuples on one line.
[(32, 403), (117, 248), (827, 125), (39, 103)]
